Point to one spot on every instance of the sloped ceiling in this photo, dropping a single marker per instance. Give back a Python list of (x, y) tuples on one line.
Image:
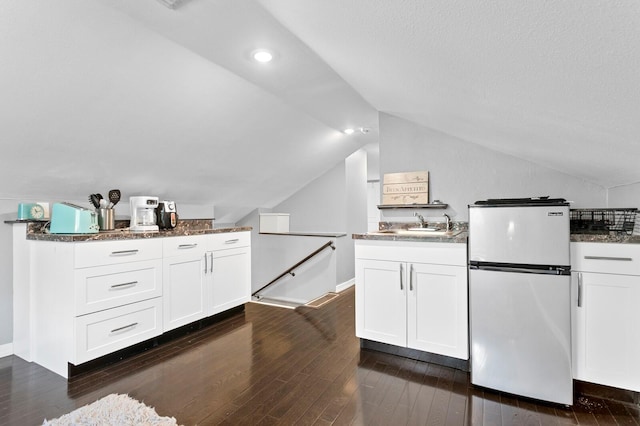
[(94, 99), (134, 95), (553, 82)]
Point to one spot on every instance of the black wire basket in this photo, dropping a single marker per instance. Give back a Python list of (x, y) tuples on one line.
[(602, 221)]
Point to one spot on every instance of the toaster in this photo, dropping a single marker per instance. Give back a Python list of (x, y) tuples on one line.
[(67, 218)]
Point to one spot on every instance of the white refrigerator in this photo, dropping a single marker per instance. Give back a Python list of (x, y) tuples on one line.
[(519, 297)]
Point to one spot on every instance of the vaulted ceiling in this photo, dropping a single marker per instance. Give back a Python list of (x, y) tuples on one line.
[(133, 94)]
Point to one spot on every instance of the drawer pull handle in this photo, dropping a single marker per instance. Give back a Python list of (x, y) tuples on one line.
[(115, 330), (624, 259), (235, 240), (401, 277), (212, 262), (129, 284), (124, 252), (187, 246)]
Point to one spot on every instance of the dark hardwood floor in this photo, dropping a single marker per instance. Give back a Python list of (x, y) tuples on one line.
[(271, 365)]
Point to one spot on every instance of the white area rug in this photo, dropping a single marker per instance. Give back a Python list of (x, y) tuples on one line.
[(113, 409)]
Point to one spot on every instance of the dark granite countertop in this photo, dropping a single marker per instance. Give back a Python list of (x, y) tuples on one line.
[(389, 236), (36, 231), (462, 238), (612, 237), (385, 235)]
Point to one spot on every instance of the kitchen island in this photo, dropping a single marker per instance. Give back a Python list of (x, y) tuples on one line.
[(80, 298)]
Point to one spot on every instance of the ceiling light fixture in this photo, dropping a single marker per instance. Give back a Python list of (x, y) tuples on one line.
[(348, 131), (263, 56)]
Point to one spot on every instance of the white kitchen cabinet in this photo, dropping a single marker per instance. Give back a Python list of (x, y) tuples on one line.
[(437, 309), (77, 301), (231, 283), (185, 279), (83, 307), (381, 301), (205, 275), (606, 291), (413, 294)]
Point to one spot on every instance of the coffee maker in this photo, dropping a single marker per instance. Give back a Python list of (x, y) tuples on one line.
[(143, 214), (167, 214)]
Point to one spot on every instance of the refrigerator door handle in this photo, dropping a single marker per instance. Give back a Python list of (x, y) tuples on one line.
[(579, 289), (559, 271), (401, 277)]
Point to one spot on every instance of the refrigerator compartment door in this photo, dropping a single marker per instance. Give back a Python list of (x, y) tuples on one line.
[(521, 334), (519, 235)]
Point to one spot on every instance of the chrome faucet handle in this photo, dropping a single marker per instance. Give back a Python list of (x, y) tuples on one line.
[(449, 226), (423, 223)]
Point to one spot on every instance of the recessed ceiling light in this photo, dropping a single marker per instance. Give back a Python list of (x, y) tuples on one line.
[(348, 131), (262, 56)]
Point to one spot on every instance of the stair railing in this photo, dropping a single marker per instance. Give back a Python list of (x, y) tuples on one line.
[(294, 267)]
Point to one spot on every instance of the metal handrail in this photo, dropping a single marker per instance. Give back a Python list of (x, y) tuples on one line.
[(290, 270)]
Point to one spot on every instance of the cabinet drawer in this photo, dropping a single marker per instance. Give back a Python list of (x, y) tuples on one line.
[(229, 240), (100, 253), (107, 331), (106, 287), (623, 259), (436, 253), (179, 246)]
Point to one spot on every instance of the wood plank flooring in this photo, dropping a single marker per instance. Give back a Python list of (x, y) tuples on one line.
[(270, 365)]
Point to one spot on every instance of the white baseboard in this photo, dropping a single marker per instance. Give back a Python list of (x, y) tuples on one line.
[(345, 285), (6, 350)]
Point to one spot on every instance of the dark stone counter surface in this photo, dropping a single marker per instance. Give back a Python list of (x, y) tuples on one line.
[(385, 235), (36, 230), (612, 237), (386, 229), (388, 236)]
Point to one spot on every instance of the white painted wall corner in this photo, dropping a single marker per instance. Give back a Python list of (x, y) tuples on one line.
[(6, 350), (345, 285)]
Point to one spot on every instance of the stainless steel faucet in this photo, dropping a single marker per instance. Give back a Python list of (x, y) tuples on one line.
[(423, 223), (449, 226)]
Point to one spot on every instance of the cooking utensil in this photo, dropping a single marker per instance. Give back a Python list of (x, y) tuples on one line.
[(114, 197), (104, 203), (93, 198)]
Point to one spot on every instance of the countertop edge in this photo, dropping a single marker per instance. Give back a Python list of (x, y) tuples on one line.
[(458, 239), (119, 235)]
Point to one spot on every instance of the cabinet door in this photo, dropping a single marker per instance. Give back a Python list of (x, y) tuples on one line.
[(437, 309), (183, 283), (231, 284), (381, 301), (607, 336)]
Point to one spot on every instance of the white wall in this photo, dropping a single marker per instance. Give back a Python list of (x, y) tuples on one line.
[(8, 210), (320, 205), (625, 196), (461, 173), (355, 211)]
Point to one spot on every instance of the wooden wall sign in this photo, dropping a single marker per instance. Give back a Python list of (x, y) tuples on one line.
[(405, 188)]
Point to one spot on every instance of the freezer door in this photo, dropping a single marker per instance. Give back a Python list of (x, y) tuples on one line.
[(520, 327), (519, 235)]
